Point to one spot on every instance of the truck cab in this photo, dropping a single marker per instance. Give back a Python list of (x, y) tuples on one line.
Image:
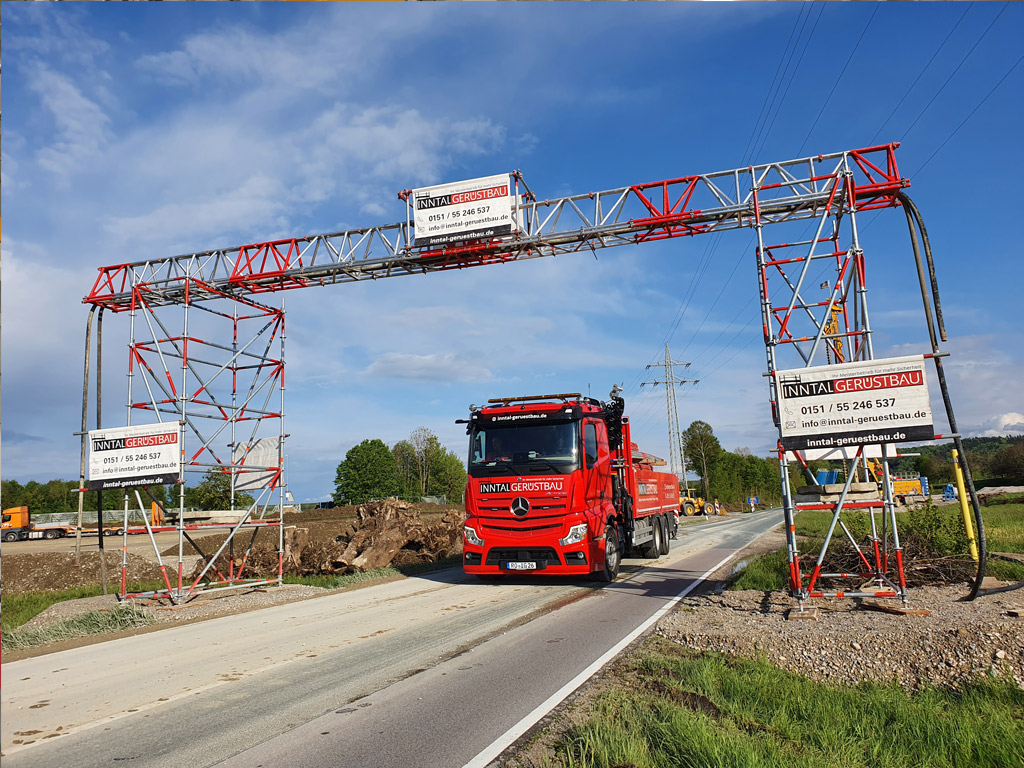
[(541, 485)]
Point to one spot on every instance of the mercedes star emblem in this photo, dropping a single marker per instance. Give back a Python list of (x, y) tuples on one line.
[(520, 506)]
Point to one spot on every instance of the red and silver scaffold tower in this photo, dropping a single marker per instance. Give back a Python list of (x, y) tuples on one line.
[(214, 368), (810, 323), (826, 190)]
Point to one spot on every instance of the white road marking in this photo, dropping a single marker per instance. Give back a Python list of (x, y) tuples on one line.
[(510, 736)]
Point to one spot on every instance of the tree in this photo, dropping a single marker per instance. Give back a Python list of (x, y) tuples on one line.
[(213, 492), (368, 472), (702, 450), (407, 468), (447, 476), (1008, 463), (426, 445)]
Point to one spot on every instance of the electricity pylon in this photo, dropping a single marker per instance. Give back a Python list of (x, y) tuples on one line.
[(677, 456)]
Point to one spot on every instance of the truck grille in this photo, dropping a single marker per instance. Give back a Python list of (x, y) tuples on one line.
[(526, 524), (534, 506), (545, 555)]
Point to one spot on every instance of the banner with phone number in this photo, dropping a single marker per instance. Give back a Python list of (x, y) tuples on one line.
[(851, 404)]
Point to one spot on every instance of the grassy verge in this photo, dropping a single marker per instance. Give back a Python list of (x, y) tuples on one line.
[(767, 573), (688, 709), (122, 616), (18, 608), (941, 529)]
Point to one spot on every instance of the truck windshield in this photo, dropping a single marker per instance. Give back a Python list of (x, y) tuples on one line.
[(548, 449)]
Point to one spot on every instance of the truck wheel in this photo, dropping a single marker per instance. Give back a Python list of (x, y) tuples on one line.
[(612, 555), (50, 534), (665, 545), (653, 547), (10, 536), (688, 509)]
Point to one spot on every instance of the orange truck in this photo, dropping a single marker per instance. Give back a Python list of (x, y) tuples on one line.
[(557, 487), (18, 526)]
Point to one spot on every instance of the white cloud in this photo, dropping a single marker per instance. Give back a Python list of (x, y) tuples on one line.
[(999, 426), (443, 367), (80, 125)]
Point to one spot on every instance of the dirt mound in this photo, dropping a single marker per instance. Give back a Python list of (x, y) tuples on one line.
[(27, 572), (346, 539), (329, 541)]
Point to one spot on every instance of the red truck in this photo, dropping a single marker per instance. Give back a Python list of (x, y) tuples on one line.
[(556, 485)]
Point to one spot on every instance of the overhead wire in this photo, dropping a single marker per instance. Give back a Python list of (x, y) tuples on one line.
[(839, 79), (970, 115), (767, 104), (957, 69), (920, 74)]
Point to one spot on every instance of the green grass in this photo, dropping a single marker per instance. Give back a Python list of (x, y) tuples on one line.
[(18, 608), (1004, 527), (768, 572), (712, 710), (941, 527), (121, 616)]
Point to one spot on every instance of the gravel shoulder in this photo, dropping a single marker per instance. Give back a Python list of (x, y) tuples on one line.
[(847, 644)]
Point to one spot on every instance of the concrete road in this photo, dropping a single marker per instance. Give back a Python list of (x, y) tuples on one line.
[(139, 544), (435, 670)]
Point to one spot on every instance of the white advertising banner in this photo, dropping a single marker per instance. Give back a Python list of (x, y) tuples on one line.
[(844, 454), (126, 457), (258, 462), (464, 210), (852, 404)]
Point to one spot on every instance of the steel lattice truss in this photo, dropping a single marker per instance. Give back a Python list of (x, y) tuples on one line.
[(688, 205), (807, 320)]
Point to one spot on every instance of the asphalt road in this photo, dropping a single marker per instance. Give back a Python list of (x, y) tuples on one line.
[(441, 670)]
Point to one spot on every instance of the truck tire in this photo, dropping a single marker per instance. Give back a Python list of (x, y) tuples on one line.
[(654, 546), (11, 536), (51, 534), (689, 509), (665, 544), (612, 555)]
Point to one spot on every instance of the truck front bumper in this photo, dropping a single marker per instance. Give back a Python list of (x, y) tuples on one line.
[(510, 557)]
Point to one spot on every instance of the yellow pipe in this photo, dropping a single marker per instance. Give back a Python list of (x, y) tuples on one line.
[(968, 522)]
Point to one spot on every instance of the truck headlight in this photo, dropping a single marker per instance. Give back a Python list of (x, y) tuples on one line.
[(471, 536), (576, 534)]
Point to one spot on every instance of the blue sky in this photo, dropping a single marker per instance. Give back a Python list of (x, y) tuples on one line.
[(138, 130)]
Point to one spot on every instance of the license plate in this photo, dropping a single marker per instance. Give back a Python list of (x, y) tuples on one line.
[(521, 566)]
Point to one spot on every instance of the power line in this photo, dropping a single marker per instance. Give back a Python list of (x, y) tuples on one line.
[(921, 73), (839, 79), (958, 66), (970, 115), (792, 77)]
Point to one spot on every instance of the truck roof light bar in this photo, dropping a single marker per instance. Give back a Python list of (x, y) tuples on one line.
[(565, 398)]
